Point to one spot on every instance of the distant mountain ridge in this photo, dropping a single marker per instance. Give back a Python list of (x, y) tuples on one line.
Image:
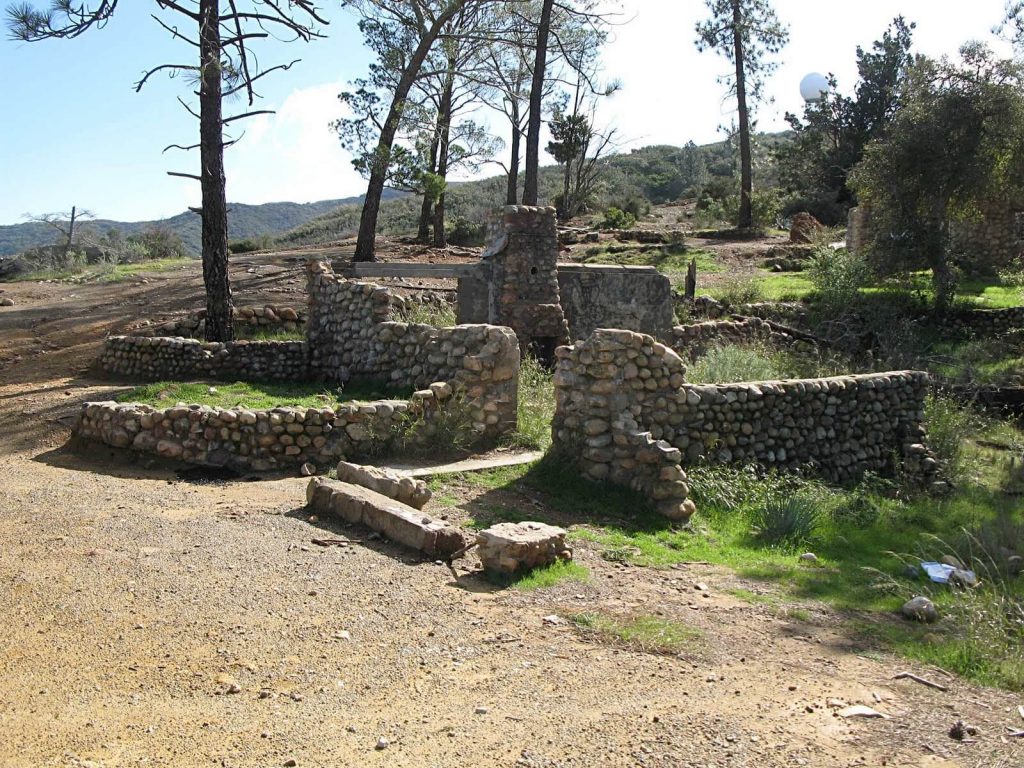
[(243, 221)]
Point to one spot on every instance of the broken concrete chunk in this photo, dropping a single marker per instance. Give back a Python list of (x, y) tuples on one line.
[(407, 490), (513, 547)]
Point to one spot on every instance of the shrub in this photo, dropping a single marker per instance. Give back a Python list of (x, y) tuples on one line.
[(950, 425), (786, 520), (160, 243), (615, 218), (462, 231), (250, 244), (734, 362), (766, 208), (838, 276), (740, 290)]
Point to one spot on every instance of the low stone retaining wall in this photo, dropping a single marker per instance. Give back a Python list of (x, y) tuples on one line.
[(987, 322), (276, 438), (159, 357), (693, 341), (245, 319), (619, 390)]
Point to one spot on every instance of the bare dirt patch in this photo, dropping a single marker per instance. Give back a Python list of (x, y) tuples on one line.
[(153, 621)]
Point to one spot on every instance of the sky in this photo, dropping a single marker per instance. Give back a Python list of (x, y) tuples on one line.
[(75, 132)]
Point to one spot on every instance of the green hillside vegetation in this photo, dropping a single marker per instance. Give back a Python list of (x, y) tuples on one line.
[(244, 221), (632, 182)]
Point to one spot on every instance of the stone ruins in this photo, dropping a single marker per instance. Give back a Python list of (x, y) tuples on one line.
[(625, 412)]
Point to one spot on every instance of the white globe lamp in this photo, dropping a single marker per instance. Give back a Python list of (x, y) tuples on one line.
[(814, 87)]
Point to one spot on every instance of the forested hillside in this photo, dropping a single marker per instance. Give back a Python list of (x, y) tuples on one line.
[(243, 221)]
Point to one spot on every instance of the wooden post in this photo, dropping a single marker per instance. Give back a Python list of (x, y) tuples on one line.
[(690, 291)]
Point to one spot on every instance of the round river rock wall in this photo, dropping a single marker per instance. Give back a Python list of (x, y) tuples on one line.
[(618, 389)]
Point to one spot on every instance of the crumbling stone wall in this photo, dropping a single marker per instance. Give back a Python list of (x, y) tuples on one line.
[(472, 368), (160, 357), (350, 334), (618, 390), (987, 322), (693, 341), (608, 296), (266, 318), (266, 439)]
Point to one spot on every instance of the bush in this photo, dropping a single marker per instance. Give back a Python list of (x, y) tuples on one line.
[(615, 218), (766, 208), (824, 209), (740, 290), (838, 276), (731, 363), (786, 520), (949, 425), (461, 231), (161, 243), (250, 244)]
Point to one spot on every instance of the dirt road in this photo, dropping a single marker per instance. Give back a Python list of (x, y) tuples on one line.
[(149, 621)]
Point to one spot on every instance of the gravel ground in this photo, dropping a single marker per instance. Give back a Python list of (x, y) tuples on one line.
[(150, 621)]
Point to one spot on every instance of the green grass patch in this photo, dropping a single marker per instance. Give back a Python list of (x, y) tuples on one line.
[(664, 258), (551, 575), (267, 333), (640, 632), (164, 394)]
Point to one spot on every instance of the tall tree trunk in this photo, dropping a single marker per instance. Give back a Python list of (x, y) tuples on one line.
[(211, 156), (366, 242), (444, 124), (746, 220), (426, 209), (512, 193), (71, 234), (530, 188)]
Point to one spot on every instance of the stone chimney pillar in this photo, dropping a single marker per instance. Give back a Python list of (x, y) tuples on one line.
[(523, 291)]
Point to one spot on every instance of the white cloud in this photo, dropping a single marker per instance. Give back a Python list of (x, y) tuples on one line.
[(293, 155)]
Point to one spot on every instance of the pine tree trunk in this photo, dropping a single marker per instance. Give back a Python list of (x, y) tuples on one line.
[(444, 125), (746, 220), (426, 209), (211, 153), (512, 193), (531, 184)]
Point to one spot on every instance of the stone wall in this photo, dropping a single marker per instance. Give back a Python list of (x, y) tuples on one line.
[(277, 438), (606, 296), (467, 377), (245, 320), (693, 341), (350, 335), (618, 389), (988, 322), (157, 358)]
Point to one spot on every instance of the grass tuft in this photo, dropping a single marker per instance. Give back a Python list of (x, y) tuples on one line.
[(639, 632), (551, 575)]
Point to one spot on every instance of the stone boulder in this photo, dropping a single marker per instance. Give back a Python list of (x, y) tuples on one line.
[(510, 548)]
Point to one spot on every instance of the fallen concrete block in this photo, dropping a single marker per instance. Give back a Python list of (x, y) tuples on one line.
[(513, 547), (407, 490), (397, 521)]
